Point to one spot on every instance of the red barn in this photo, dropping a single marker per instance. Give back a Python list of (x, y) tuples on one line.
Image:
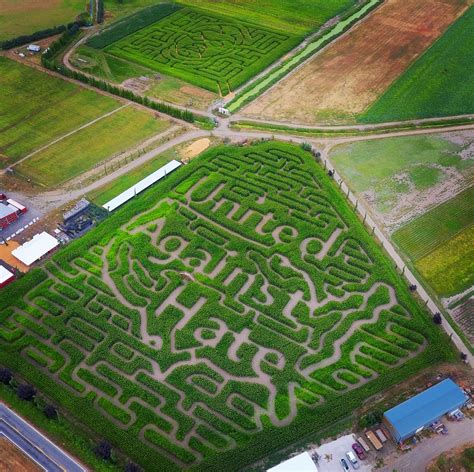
[(8, 214)]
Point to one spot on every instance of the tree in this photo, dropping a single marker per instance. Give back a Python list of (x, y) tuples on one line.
[(50, 412), (26, 392), (6, 376), (131, 467), (104, 450), (437, 318)]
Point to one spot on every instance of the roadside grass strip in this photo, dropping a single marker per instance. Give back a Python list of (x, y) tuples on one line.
[(231, 309), (210, 51), (439, 83), (277, 73)]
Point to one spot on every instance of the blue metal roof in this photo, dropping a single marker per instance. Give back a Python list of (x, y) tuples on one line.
[(425, 408)]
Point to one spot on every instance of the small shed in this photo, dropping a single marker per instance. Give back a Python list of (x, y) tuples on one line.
[(7, 274), (33, 250), (33, 48), (422, 410), (300, 463)]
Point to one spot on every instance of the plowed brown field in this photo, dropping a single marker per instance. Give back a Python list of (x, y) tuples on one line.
[(13, 460), (347, 77)]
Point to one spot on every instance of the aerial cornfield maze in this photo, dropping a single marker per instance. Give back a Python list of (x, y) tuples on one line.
[(214, 52), (235, 307)]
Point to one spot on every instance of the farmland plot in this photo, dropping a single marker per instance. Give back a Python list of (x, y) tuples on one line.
[(233, 309), (341, 82), (213, 52)]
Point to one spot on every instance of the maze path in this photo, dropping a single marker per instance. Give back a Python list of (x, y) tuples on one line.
[(244, 294), (214, 52)]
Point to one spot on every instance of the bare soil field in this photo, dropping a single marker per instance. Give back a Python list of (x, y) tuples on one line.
[(346, 78), (13, 460)]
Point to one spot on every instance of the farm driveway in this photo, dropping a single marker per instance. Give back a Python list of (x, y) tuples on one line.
[(417, 459)]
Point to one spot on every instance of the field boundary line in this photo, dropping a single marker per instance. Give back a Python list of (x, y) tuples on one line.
[(46, 146)]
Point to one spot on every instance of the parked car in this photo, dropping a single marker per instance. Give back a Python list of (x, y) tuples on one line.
[(352, 459), (344, 464), (359, 451)]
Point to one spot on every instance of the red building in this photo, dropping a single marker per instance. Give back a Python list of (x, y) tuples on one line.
[(8, 214), (7, 274)]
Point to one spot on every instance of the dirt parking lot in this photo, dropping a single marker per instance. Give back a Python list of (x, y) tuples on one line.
[(348, 76), (332, 452)]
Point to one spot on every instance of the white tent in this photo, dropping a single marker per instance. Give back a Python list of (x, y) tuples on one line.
[(36, 248), (142, 185), (5, 275), (299, 463)]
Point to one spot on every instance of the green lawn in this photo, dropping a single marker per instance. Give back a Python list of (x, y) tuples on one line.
[(89, 146), (36, 108), (389, 167), (231, 310), (167, 88), (23, 17), (439, 83), (449, 269), (422, 235)]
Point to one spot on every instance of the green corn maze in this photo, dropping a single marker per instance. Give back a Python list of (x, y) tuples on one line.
[(210, 51), (237, 306)]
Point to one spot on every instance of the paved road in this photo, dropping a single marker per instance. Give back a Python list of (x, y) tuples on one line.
[(424, 452), (35, 445)]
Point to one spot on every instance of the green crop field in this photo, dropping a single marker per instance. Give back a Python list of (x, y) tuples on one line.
[(23, 17), (298, 16), (215, 52), (36, 108), (449, 269), (439, 83), (424, 234), (232, 309), (89, 146)]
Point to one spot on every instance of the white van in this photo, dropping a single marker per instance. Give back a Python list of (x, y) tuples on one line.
[(352, 459)]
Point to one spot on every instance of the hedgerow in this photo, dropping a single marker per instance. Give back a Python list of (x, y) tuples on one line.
[(200, 337)]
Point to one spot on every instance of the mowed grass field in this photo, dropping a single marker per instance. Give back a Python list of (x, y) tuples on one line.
[(89, 146), (36, 108), (170, 89), (440, 83), (402, 177), (23, 17), (349, 75)]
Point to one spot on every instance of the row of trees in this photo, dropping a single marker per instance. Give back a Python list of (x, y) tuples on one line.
[(100, 11), (27, 392), (49, 60), (20, 40)]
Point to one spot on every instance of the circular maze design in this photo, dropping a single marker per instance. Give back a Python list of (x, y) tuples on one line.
[(214, 52), (238, 302)]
